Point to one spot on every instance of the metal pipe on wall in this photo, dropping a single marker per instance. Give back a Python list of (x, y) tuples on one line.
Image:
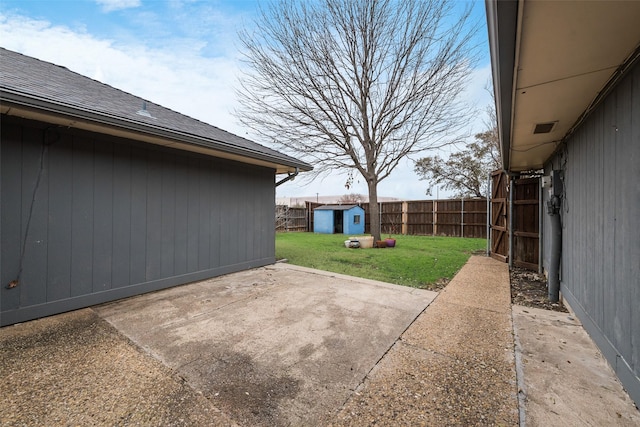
[(289, 177), (511, 191), (553, 209), (489, 215), (556, 249), (540, 229)]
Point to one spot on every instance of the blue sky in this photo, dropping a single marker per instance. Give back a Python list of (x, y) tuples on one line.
[(183, 54)]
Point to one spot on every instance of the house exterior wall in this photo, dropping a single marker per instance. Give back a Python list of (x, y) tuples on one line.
[(600, 266), (350, 226), (110, 218), (323, 221)]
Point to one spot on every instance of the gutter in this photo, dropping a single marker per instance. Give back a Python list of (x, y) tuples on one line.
[(502, 25), (9, 96), (289, 177)]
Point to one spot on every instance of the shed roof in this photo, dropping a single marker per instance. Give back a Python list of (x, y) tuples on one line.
[(43, 91), (336, 207), (553, 62)]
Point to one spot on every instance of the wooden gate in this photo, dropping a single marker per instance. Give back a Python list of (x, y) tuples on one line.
[(499, 216), (526, 220)]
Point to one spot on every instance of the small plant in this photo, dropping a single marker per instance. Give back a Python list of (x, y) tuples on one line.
[(391, 242)]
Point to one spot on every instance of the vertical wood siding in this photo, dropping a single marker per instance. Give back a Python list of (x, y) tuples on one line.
[(112, 218), (601, 227)]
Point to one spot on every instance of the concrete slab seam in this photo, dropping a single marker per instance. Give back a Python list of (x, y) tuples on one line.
[(354, 279), (146, 351), (520, 383), (491, 310), (431, 351), (142, 348), (397, 341)]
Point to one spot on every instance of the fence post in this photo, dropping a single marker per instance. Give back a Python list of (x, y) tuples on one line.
[(286, 218), (405, 218), (435, 218), (462, 219)]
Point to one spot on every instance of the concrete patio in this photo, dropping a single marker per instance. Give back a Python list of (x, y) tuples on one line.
[(285, 345)]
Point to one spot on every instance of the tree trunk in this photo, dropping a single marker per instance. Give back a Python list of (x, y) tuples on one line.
[(374, 209)]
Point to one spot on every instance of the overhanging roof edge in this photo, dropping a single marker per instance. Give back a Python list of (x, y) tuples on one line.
[(19, 98), (502, 21)]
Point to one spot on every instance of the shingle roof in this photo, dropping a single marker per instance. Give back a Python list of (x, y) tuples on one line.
[(336, 207), (38, 84)]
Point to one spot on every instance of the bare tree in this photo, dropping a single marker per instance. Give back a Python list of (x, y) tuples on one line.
[(466, 171), (353, 198), (357, 85)]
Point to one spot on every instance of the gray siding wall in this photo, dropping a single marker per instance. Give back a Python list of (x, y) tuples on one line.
[(112, 218), (601, 228)]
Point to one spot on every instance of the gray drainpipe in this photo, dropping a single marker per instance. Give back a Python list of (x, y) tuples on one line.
[(289, 177), (511, 191), (540, 231), (489, 214), (553, 209)]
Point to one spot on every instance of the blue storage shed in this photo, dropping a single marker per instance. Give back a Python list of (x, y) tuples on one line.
[(346, 219)]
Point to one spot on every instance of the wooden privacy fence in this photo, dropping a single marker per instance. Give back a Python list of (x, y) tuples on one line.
[(450, 217), (291, 219), (499, 216), (515, 220), (526, 222)]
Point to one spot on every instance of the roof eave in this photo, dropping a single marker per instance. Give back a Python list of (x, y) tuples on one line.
[(553, 64), (502, 18), (180, 140)]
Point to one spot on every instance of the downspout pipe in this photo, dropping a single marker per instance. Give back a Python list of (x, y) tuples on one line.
[(512, 190), (289, 177), (540, 232), (489, 192), (553, 209)]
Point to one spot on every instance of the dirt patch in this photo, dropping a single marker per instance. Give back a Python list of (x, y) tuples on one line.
[(251, 393), (76, 369), (436, 286), (529, 289)]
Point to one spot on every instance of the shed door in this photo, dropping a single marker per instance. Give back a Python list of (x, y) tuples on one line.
[(338, 222)]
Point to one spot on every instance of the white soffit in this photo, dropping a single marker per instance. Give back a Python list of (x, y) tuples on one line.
[(137, 136), (566, 54)]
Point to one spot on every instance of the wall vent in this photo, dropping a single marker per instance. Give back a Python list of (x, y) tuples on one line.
[(544, 127)]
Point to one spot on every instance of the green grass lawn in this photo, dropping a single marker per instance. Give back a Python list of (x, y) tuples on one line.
[(417, 261)]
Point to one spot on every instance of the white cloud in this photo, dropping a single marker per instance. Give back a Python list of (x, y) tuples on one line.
[(113, 5), (199, 87), (177, 75)]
